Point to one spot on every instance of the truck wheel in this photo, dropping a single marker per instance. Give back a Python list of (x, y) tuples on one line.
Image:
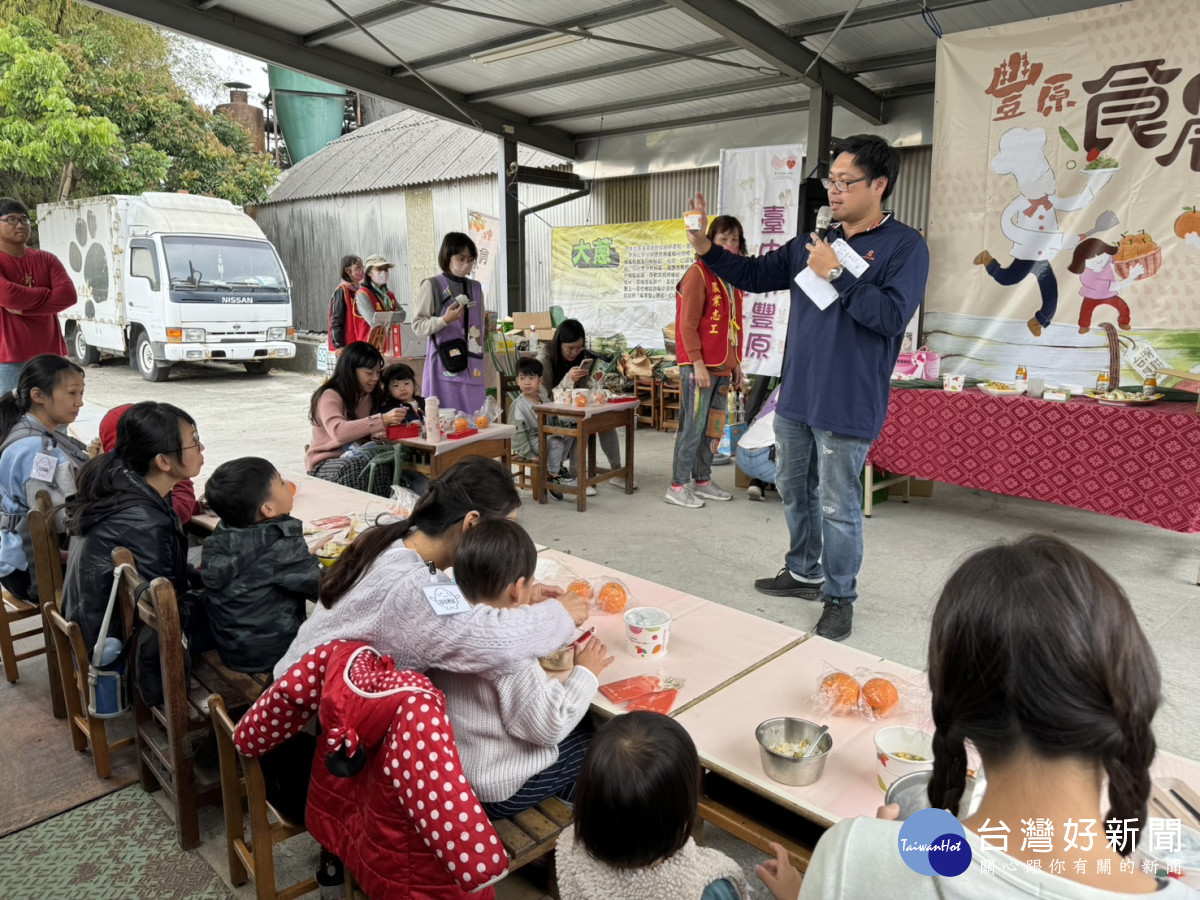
[(143, 355), (258, 367), (84, 353)]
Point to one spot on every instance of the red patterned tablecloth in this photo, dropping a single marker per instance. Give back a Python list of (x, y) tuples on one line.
[(1139, 463)]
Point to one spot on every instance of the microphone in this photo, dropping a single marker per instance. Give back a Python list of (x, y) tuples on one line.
[(824, 220)]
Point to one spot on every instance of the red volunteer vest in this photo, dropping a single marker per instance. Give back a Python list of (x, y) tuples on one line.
[(722, 311)]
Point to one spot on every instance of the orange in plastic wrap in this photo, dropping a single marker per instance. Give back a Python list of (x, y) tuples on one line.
[(841, 690), (482, 422), (581, 399), (582, 588), (613, 597), (880, 695), (461, 425)]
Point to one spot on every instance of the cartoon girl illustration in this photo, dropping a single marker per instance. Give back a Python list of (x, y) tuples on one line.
[(1030, 221), (1092, 262)]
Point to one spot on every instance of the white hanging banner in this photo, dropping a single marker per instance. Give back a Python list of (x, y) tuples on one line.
[(759, 186), (484, 230)]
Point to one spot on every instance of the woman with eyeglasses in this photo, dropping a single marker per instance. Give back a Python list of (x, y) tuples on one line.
[(123, 499), (344, 412), (34, 289)]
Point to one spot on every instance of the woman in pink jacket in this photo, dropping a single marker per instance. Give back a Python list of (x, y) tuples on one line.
[(345, 413)]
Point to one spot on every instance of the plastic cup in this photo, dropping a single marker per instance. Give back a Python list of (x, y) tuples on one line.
[(647, 630)]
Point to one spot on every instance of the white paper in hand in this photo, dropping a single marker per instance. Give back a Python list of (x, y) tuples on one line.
[(818, 290)]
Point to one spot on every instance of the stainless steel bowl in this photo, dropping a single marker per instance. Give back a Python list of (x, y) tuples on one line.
[(911, 793), (791, 769)]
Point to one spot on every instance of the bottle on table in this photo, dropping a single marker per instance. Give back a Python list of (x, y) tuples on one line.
[(1102, 383), (433, 420), (533, 339), (1022, 375), (1150, 385)]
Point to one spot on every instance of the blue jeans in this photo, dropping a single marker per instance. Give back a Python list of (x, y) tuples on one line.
[(9, 374), (1047, 284), (757, 463), (817, 477)]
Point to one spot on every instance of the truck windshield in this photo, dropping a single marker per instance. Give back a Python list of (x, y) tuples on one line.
[(223, 262)]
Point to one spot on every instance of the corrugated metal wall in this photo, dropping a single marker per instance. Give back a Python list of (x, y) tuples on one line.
[(311, 235), (910, 199)]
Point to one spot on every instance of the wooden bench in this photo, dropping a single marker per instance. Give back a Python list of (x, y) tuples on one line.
[(48, 567), (533, 833)]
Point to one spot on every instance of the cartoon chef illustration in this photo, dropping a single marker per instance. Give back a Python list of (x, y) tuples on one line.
[(1030, 221)]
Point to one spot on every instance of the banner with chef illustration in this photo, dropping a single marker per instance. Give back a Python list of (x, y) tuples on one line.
[(759, 186), (1065, 190)]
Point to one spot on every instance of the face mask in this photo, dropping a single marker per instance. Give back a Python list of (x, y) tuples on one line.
[(380, 278)]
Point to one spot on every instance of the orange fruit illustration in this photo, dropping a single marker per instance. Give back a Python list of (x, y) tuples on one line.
[(841, 690), (1188, 223), (613, 597), (581, 588), (461, 425), (482, 422), (880, 695)]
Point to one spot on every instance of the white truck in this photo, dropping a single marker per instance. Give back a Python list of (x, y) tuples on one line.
[(168, 277)]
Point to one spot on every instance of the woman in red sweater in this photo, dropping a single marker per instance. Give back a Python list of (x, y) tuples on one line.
[(34, 288), (345, 412)]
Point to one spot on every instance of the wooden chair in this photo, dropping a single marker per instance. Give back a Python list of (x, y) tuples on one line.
[(669, 400), (72, 659), (522, 470), (169, 735), (646, 390), (47, 564), (533, 833), (508, 389), (13, 610), (241, 777)]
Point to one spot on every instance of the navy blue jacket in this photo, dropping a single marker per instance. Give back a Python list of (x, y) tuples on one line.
[(839, 360)]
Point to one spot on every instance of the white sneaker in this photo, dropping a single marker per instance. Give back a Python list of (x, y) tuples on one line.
[(754, 492), (572, 482), (710, 490), (620, 482), (683, 497)]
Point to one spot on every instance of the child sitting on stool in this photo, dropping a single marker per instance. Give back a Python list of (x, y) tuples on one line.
[(525, 442), (518, 732)]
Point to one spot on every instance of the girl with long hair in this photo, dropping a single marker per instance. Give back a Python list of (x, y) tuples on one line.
[(345, 410), (341, 302)]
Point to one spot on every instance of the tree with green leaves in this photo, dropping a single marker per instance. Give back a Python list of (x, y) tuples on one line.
[(89, 106)]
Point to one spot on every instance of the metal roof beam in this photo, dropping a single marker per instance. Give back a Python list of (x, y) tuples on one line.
[(870, 15), (890, 61), (752, 32), (547, 178), (664, 125), (631, 10), (633, 64), (746, 85), (274, 45), (380, 14), (907, 90)]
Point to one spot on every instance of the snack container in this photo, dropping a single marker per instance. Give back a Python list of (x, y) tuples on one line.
[(692, 219), (900, 750), (647, 631), (953, 383)]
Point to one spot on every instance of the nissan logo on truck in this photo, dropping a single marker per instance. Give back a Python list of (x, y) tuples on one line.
[(237, 299)]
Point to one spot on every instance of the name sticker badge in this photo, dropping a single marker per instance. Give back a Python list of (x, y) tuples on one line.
[(43, 466), (445, 598)]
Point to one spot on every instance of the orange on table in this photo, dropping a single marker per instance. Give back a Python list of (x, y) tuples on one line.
[(482, 422), (613, 597), (880, 695), (841, 690), (581, 588), (581, 399), (461, 425)]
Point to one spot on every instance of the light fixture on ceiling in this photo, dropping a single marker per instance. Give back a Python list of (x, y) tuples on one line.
[(526, 48)]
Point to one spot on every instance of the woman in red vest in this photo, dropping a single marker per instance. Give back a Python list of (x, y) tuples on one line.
[(340, 304), (373, 296), (708, 343)]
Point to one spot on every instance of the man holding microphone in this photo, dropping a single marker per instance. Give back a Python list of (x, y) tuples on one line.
[(853, 291)]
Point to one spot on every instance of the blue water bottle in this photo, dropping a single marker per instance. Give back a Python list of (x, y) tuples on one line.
[(107, 682)]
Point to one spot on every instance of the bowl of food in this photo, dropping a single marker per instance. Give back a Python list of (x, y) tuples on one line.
[(911, 793), (560, 660), (900, 750), (331, 551), (782, 745)]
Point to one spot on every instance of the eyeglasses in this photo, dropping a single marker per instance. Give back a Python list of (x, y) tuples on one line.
[(842, 186), (15, 221), (199, 445)]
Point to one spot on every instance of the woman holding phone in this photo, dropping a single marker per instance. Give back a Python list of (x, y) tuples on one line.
[(567, 363), (449, 311)]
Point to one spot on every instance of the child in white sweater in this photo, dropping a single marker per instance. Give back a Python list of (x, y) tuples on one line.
[(521, 733)]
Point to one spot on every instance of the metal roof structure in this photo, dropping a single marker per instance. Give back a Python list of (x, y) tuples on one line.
[(403, 149), (552, 73)]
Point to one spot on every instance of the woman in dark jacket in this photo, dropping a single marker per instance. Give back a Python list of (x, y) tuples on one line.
[(123, 500)]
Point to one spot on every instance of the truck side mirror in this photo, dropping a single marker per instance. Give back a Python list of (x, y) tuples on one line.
[(141, 265)]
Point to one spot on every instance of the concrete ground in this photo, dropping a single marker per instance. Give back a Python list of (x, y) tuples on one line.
[(718, 551)]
